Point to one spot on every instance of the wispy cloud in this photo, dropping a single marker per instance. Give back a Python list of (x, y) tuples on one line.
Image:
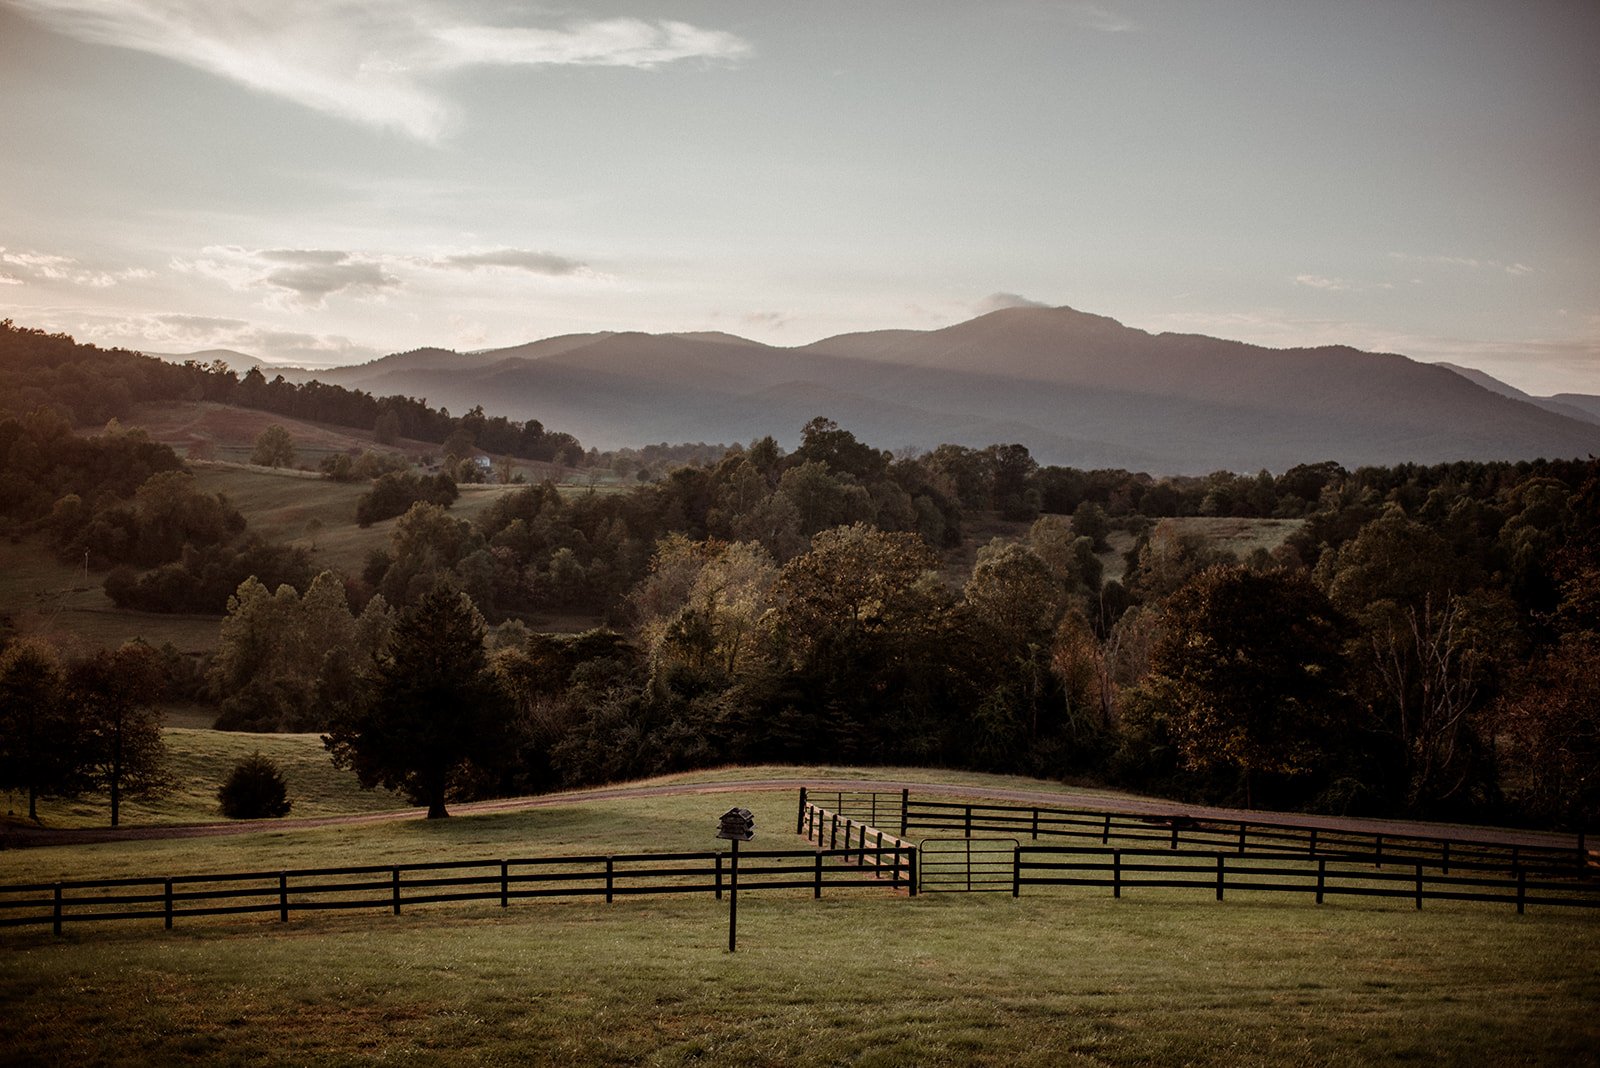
[(20, 267), (1468, 262), (1338, 285), (1001, 301), (366, 61), (301, 277), (512, 258), (297, 279), (181, 333), (1099, 17)]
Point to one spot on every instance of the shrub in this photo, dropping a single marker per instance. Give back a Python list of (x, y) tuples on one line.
[(254, 791)]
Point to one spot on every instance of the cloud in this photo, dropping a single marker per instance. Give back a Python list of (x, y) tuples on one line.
[(1001, 301), (1338, 285), (513, 258), (168, 332), (18, 268), (1469, 262), (1099, 18), (314, 283), (305, 277), (366, 61), (609, 43)]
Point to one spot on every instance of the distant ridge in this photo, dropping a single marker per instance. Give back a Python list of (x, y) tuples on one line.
[(1076, 388)]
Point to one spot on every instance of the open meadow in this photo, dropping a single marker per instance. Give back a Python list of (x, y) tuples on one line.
[(870, 976)]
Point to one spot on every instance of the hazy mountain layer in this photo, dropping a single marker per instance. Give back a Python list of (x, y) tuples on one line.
[(1075, 388)]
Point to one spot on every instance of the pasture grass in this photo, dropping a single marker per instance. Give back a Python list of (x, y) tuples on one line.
[(859, 977), (1059, 976)]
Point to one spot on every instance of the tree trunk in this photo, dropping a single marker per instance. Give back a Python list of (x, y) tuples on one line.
[(436, 809)]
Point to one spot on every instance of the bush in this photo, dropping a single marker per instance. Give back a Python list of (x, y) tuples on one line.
[(254, 791)]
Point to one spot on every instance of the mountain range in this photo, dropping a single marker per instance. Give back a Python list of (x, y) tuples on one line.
[(1076, 388)]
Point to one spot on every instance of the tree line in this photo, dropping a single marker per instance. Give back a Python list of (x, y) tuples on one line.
[(89, 386), (1423, 644)]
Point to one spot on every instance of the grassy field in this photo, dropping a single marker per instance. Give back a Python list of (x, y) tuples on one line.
[(864, 976)]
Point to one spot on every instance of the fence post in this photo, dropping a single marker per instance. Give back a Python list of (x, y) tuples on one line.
[(894, 876), (167, 905), (905, 806), (1105, 832), (968, 833), (1174, 833), (874, 808), (1035, 824), (1419, 884), (912, 878), (1242, 827), (1016, 871), (1522, 890), (1312, 849), (861, 858), (1219, 876), (800, 816), (1516, 852), (608, 878), (505, 884), (396, 885), (1322, 875), (1380, 850), (283, 897), (816, 885), (719, 876), (833, 833), (1116, 873), (56, 915)]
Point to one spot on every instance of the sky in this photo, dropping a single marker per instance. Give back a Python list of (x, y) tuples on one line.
[(323, 181)]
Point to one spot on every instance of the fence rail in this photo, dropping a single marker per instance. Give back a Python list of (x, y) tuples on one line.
[(825, 826), (907, 814), (1321, 876), (394, 886)]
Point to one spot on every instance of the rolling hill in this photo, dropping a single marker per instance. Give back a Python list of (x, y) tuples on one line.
[(1077, 389)]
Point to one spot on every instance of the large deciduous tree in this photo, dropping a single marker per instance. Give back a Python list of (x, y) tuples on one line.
[(112, 696), (274, 448), (437, 714), (1250, 673), (39, 742)]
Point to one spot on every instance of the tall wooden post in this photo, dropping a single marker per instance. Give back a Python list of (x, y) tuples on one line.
[(733, 900)]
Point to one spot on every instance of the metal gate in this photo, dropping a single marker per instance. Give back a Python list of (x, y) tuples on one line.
[(967, 865)]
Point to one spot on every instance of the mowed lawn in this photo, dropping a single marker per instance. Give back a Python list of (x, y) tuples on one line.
[(862, 976)]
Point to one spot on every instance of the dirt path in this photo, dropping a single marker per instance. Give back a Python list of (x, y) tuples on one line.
[(23, 836)]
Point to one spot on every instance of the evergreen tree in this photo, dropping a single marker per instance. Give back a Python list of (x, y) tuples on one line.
[(437, 717)]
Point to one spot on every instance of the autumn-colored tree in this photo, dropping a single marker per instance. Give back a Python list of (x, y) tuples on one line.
[(1250, 670)]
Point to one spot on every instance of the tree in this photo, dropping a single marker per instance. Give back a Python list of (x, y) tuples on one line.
[(437, 715), (112, 694), (255, 790), (274, 448), (1250, 671), (39, 746)]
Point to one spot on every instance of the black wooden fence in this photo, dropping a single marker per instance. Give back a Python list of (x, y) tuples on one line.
[(392, 886), (1319, 877), (905, 814), (887, 857)]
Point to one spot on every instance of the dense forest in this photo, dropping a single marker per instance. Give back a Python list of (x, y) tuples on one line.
[(1425, 643)]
